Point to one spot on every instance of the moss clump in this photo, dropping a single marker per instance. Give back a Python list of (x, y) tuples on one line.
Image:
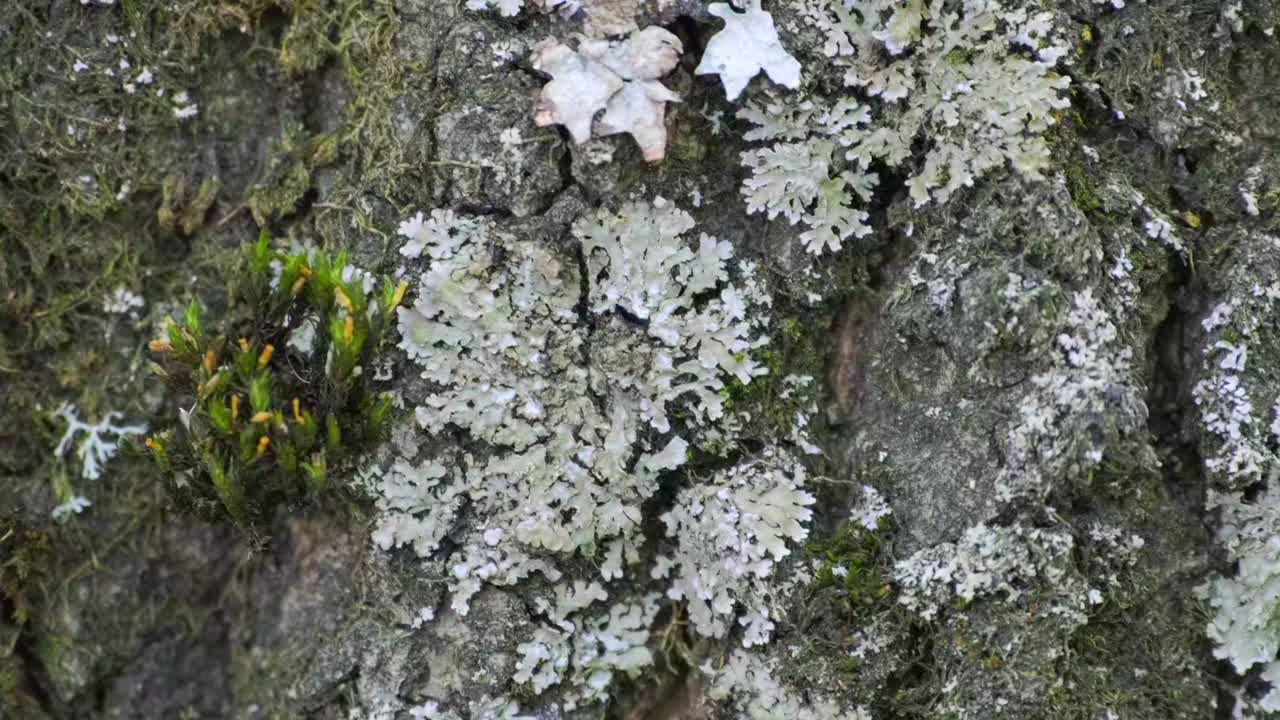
[(688, 143), (771, 400), (1135, 658), (182, 211), (278, 394), (1083, 193), (26, 561), (846, 626), (13, 693), (288, 180), (26, 553), (854, 561), (306, 44)]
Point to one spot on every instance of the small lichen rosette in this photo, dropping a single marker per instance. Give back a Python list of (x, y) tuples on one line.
[(730, 534)]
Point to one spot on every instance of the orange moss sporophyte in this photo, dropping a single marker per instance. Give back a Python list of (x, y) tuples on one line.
[(343, 300)]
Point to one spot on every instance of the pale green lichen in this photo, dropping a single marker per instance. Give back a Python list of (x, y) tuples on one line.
[(1240, 465), (576, 394), (577, 420), (729, 535), (976, 84)]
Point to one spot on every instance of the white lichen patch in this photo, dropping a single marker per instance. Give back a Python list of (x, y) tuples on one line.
[(100, 441), (123, 301), (73, 505), (507, 8), (994, 562), (184, 108), (729, 535), (975, 84), (746, 683), (870, 509), (586, 649), (1240, 463), (574, 394), (1245, 604), (578, 437), (1057, 437)]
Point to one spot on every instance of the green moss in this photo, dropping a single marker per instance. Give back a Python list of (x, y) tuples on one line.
[(27, 554), (58, 658), (1064, 142), (306, 44), (180, 209), (189, 24), (86, 208), (173, 192), (1083, 194), (1138, 653), (960, 57), (282, 197), (266, 420), (1132, 658), (863, 556), (830, 615), (687, 144), (378, 77), (769, 400), (198, 208), (14, 694), (288, 178)]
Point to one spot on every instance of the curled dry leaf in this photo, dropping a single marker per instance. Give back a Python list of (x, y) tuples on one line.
[(619, 77), (580, 87), (748, 44), (566, 8), (645, 55)]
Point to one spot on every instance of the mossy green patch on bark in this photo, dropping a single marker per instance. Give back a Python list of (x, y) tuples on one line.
[(182, 210)]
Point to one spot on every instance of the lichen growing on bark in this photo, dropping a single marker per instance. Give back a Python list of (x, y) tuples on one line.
[(1040, 326)]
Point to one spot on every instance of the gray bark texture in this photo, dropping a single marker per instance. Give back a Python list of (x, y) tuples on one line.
[(961, 366)]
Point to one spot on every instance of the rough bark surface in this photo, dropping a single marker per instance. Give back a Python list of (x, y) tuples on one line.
[(331, 121)]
